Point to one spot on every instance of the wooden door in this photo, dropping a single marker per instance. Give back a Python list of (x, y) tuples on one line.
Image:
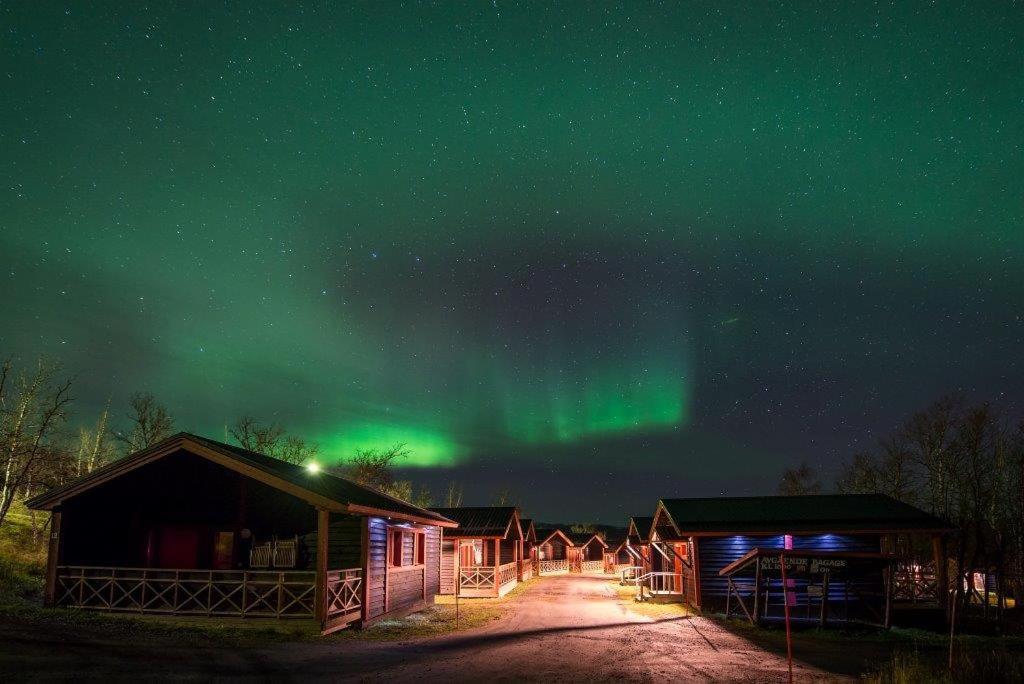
[(178, 547)]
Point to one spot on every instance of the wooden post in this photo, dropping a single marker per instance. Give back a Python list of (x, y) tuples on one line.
[(52, 560), (824, 601), (757, 590), (519, 560), (887, 622), (497, 565), (323, 518), (364, 563), (941, 578)]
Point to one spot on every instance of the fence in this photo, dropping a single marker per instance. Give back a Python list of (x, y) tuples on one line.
[(240, 593), (550, 566), (344, 595)]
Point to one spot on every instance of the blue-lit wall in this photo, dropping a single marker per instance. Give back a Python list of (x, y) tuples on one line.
[(717, 552)]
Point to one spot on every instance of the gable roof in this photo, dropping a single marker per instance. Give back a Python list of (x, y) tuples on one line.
[(484, 521), (529, 531), (809, 513), (582, 539), (639, 530), (556, 532), (322, 489)]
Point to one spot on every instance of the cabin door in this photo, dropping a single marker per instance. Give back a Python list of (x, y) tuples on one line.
[(178, 547)]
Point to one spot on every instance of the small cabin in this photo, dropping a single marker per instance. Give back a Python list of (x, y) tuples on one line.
[(587, 552), (196, 527), (529, 547), (724, 554), (483, 556), (554, 551)]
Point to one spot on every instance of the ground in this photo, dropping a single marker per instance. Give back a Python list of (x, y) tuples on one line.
[(554, 629)]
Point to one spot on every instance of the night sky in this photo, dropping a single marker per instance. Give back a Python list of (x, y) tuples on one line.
[(594, 254)]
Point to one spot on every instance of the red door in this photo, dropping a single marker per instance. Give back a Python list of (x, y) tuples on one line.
[(178, 548)]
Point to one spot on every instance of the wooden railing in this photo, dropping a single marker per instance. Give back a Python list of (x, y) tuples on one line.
[(344, 594), (527, 570), (630, 573), (913, 582), (241, 593), (658, 584), (592, 566), (554, 566), (476, 577), (507, 573)]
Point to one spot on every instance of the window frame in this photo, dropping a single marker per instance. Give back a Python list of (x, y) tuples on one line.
[(396, 542)]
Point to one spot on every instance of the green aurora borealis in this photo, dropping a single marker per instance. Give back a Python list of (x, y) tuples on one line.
[(597, 254)]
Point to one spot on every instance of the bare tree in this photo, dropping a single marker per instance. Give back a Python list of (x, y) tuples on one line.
[(799, 480), (94, 448), (453, 499), (149, 423), (32, 408), (502, 497), (273, 440), (374, 467)]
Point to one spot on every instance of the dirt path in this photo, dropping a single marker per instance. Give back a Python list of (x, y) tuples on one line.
[(560, 628)]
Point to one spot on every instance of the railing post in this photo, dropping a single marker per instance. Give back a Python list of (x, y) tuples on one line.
[(52, 560), (320, 590), (245, 592)]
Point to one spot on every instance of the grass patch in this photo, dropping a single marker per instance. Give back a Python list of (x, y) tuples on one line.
[(22, 559), (657, 611), (978, 666)]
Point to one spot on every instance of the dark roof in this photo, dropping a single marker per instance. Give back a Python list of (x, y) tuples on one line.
[(643, 528), (545, 533), (526, 524), (337, 489), (482, 521), (780, 514), (583, 538)]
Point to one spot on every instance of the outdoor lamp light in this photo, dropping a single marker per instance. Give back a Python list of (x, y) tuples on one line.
[(313, 467)]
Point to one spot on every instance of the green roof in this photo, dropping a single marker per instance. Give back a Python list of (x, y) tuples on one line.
[(811, 513)]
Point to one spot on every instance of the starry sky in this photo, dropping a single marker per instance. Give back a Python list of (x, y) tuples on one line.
[(595, 254)]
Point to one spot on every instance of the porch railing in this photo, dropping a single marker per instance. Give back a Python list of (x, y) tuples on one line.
[(658, 584), (507, 573), (592, 566), (915, 582), (527, 570), (240, 593), (476, 577), (630, 573), (547, 566), (344, 594)]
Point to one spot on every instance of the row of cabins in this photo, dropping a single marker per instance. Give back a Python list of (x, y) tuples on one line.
[(847, 553), (192, 526)]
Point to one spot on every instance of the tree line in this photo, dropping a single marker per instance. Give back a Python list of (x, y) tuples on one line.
[(40, 450), (960, 461)]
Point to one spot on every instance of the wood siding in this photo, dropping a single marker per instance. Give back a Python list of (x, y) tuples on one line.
[(447, 586), (717, 552), (376, 561)]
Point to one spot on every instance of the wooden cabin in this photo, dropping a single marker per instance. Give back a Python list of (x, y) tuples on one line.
[(529, 547), (638, 544), (616, 556), (554, 551), (195, 527), (697, 546), (484, 555), (587, 552)]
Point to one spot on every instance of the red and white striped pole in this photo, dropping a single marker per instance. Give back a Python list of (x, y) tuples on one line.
[(785, 604)]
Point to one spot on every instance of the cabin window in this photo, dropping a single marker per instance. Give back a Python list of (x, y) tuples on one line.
[(406, 547)]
